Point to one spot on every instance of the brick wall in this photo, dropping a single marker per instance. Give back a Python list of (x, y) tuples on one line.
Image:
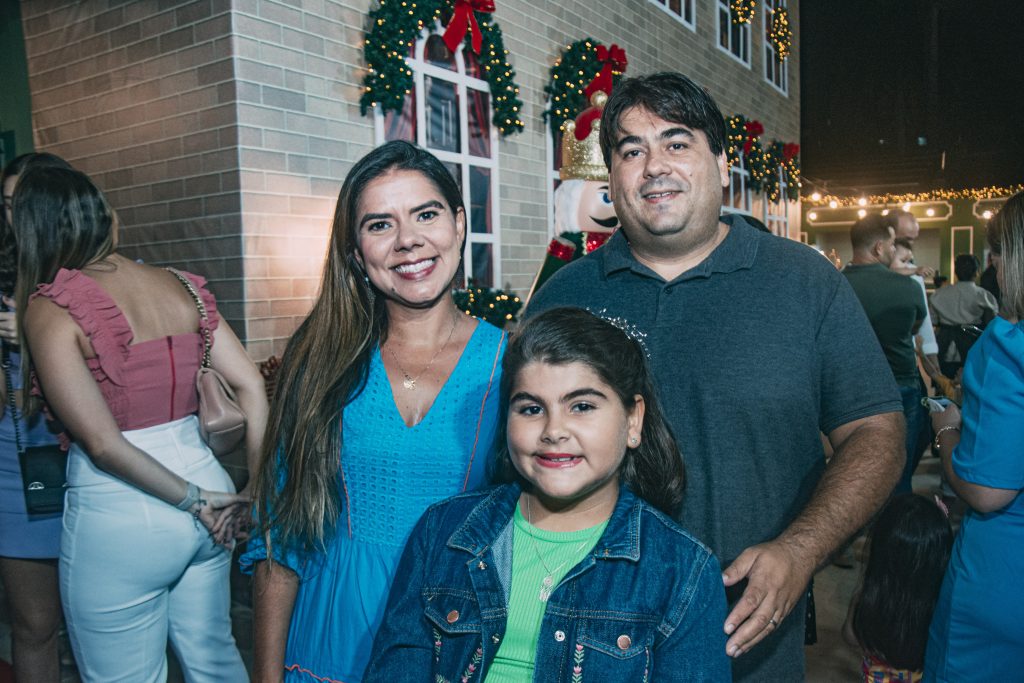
[(140, 95), (222, 130)]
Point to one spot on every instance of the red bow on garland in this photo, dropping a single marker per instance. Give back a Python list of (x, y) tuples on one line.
[(463, 19), (753, 129), (613, 59), (790, 150)]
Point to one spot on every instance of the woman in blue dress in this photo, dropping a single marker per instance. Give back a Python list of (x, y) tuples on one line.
[(977, 633), (29, 545), (386, 402)]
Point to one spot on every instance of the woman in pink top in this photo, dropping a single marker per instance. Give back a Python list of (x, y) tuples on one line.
[(149, 513)]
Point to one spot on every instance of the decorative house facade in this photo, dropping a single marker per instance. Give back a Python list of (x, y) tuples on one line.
[(221, 129)]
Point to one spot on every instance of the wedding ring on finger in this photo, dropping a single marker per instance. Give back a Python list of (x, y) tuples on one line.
[(772, 622)]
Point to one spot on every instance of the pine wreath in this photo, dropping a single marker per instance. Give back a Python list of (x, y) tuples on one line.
[(742, 10), (572, 72), (395, 26), (780, 34)]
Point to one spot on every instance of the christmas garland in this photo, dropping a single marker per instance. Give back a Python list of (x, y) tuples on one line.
[(574, 69), (742, 10), (779, 33), (396, 24), (493, 305), (743, 144)]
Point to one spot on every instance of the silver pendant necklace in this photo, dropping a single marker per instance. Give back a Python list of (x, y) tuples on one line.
[(547, 584)]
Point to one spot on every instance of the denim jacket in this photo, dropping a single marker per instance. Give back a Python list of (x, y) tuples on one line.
[(646, 604)]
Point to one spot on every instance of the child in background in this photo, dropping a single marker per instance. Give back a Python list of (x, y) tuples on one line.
[(573, 569), (890, 612)]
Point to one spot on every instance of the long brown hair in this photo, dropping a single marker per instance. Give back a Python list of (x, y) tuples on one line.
[(1006, 238), (61, 220), (654, 469), (8, 243), (325, 365)]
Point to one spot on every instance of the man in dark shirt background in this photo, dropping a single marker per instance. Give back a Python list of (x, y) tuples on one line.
[(757, 345), (895, 308)]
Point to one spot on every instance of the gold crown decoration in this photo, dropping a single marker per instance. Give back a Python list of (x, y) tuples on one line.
[(582, 159)]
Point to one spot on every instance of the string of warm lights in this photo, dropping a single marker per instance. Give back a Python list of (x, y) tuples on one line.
[(974, 193), (493, 305), (396, 24), (571, 73), (742, 10), (764, 162), (780, 34)]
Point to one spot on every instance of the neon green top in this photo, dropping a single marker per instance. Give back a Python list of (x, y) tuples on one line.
[(536, 555)]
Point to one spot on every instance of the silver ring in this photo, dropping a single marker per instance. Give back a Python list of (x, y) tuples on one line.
[(772, 622)]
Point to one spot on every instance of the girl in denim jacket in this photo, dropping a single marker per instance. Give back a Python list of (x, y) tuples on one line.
[(573, 569)]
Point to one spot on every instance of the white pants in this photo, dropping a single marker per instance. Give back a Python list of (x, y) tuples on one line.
[(135, 571)]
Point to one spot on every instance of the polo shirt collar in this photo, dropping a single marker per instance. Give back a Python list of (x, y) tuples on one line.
[(736, 252)]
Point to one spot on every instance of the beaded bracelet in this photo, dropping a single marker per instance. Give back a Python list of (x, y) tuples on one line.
[(943, 430)]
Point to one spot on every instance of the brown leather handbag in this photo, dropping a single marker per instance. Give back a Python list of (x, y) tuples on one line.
[(221, 419)]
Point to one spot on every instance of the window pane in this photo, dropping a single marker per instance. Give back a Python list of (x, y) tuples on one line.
[(480, 199), (473, 67), (483, 264), (723, 28), (479, 122), (675, 6), (402, 125), (438, 54), (442, 114)]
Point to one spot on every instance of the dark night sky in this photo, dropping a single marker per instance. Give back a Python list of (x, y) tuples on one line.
[(949, 71)]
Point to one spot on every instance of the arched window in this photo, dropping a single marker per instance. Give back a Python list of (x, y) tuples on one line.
[(449, 113)]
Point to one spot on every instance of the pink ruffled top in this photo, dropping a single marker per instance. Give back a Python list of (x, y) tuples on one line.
[(144, 384)]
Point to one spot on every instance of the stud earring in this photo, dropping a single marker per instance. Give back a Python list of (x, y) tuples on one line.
[(634, 441)]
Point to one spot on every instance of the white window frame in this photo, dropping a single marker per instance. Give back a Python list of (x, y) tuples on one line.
[(552, 176), (781, 66), (420, 69), (739, 173), (723, 5), (690, 5)]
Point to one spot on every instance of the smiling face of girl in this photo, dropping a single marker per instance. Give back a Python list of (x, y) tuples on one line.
[(408, 238), (567, 435)]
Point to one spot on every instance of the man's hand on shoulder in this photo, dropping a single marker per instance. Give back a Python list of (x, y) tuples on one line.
[(777, 574)]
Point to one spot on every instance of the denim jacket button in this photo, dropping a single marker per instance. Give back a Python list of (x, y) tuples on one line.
[(453, 616), (496, 638), (624, 642), (559, 636)]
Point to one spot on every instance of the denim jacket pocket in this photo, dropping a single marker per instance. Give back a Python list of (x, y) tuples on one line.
[(452, 611), (620, 639)]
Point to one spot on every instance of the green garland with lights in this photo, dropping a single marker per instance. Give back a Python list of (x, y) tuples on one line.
[(780, 34), (742, 10), (572, 72), (762, 161), (493, 305), (396, 24)]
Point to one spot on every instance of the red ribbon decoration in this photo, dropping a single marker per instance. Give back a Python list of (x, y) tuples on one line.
[(463, 19), (753, 129), (790, 150), (613, 59)]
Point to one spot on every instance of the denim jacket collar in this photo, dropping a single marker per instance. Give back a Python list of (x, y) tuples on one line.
[(621, 538)]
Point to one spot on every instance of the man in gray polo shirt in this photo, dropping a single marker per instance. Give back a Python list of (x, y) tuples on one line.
[(757, 343)]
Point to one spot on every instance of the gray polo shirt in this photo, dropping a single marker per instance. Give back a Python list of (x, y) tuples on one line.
[(755, 350)]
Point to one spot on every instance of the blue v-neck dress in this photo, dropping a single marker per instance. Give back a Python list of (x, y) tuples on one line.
[(391, 474)]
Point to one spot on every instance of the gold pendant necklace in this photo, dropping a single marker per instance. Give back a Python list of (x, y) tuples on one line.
[(409, 382)]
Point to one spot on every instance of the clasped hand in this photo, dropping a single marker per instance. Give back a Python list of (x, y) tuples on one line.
[(777, 576), (225, 515)]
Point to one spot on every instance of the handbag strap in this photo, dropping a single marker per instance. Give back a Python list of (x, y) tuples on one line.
[(483, 404), (12, 403), (204, 328)]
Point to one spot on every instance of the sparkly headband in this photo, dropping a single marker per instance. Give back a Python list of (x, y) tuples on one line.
[(630, 329)]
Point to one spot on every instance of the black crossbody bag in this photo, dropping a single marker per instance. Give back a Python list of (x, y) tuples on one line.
[(43, 468)]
